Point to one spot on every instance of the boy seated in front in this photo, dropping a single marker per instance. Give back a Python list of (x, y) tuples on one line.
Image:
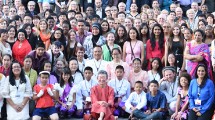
[(156, 104), (43, 94)]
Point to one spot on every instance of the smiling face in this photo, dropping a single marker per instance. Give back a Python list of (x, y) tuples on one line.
[(16, 69), (21, 36), (28, 63), (201, 72), (110, 38), (102, 79)]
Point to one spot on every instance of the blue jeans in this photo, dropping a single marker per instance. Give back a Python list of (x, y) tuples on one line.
[(141, 115)]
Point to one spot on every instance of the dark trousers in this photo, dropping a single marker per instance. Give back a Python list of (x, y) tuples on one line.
[(185, 8), (205, 116)]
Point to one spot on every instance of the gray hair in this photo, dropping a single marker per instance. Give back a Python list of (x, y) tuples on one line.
[(103, 73)]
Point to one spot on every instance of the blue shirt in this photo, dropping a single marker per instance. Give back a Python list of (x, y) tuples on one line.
[(186, 2), (156, 102), (206, 95)]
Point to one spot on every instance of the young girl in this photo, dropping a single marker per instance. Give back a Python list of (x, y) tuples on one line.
[(181, 110), (107, 48), (156, 72), (47, 67), (171, 61), (65, 94)]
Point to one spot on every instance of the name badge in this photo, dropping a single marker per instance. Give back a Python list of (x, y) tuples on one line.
[(89, 1), (63, 3), (198, 102)]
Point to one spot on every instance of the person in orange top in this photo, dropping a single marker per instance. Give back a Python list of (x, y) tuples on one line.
[(43, 33), (102, 98), (21, 48), (44, 95)]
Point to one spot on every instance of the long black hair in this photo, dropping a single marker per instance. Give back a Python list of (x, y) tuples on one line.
[(160, 66), (148, 32), (161, 38), (70, 80), (135, 29), (12, 76), (62, 39), (206, 74), (124, 37)]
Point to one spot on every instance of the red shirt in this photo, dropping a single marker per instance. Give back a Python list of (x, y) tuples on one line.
[(45, 100)]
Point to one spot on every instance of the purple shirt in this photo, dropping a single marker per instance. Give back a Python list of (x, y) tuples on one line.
[(81, 39), (52, 80)]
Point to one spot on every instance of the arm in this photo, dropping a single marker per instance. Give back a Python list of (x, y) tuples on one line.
[(40, 6), (128, 102), (142, 52), (191, 97), (57, 3), (166, 53), (124, 52), (194, 58)]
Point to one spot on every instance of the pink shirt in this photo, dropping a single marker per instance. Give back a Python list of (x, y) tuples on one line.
[(140, 76)]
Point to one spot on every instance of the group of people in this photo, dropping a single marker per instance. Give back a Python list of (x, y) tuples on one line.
[(104, 59)]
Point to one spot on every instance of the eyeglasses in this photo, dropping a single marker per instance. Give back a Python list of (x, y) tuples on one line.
[(107, 10), (166, 26), (16, 67)]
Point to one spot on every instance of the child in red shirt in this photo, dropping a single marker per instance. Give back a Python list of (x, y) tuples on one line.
[(43, 94)]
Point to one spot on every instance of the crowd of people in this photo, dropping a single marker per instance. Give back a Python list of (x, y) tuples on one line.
[(105, 59)]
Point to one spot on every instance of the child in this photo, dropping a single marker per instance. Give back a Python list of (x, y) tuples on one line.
[(137, 99), (43, 94), (47, 67), (181, 110), (65, 95), (122, 89), (85, 87), (156, 72), (156, 104)]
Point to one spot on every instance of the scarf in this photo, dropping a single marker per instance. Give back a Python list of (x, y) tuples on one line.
[(65, 93)]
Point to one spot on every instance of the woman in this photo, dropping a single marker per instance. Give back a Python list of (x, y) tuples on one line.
[(43, 33), (107, 48), (17, 91), (22, 45), (155, 45), (188, 35), (144, 33), (58, 35), (195, 52), (202, 24), (167, 30), (116, 54), (210, 19), (105, 27), (12, 34), (58, 68), (175, 45), (201, 95), (120, 36), (128, 23), (209, 36), (95, 39), (4, 46), (71, 45), (133, 47), (32, 39), (137, 74)]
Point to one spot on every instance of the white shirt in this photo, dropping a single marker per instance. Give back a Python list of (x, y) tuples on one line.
[(153, 76), (85, 86), (77, 78), (81, 65), (99, 12), (121, 88), (138, 100), (96, 66)]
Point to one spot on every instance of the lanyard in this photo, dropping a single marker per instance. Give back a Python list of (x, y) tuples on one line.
[(172, 88), (96, 65), (117, 91), (198, 91), (89, 87)]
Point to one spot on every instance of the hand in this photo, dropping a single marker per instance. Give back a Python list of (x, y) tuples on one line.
[(70, 106), (133, 108), (148, 112), (40, 93), (64, 105), (198, 114), (105, 104), (174, 115), (195, 110), (50, 91)]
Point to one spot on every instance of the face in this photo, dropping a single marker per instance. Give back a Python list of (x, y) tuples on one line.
[(208, 31), (187, 35), (72, 36), (137, 23), (5, 9), (102, 79), (121, 7), (78, 16), (133, 7), (116, 55), (120, 31), (190, 15), (151, 23), (44, 78), (194, 6), (51, 23), (153, 87), (178, 12), (119, 73), (47, 67), (157, 31), (171, 59), (107, 11), (31, 6), (95, 31), (40, 51), (43, 25), (110, 38), (28, 30), (210, 20), (170, 75), (80, 26), (55, 50), (12, 12), (36, 21), (113, 11), (155, 64), (6, 61), (201, 72), (136, 65), (21, 36), (73, 65), (27, 19), (173, 7), (80, 54), (144, 30), (202, 25), (98, 3), (59, 65), (89, 11), (97, 53), (3, 25), (4, 36), (66, 77), (128, 23), (184, 82), (57, 34), (73, 22), (28, 62), (138, 88), (65, 28), (88, 74), (111, 23), (198, 37), (176, 30), (104, 26), (204, 8), (62, 18), (132, 34), (16, 68)]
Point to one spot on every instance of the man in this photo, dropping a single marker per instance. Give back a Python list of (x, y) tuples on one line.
[(173, 7), (179, 15), (102, 98), (98, 7), (121, 7), (31, 8), (169, 85), (96, 63), (195, 7), (108, 12), (28, 19), (39, 56), (81, 34), (5, 11)]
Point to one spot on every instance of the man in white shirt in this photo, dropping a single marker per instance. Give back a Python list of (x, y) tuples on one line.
[(122, 90), (169, 85), (96, 63), (98, 9)]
